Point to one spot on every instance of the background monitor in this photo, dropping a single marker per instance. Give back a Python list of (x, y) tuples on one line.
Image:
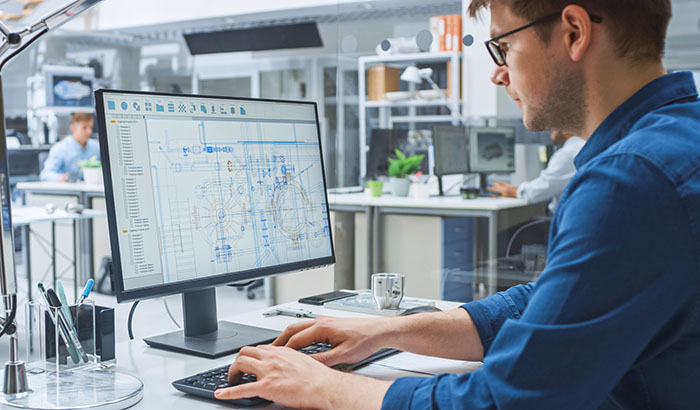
[(25, 163), (382, 143), (491, 149), (203, 191), (69, 86), (451, 150)]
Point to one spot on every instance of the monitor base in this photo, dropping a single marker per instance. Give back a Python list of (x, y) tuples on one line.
[(229, 338)]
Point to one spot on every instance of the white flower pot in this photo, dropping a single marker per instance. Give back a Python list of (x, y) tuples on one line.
[(400, 186), (92, 176)]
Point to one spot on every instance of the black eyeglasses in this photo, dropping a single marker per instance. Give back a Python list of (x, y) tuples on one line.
[(498, 50)]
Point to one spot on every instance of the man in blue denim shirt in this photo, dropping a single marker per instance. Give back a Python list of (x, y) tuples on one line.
[(612, 323)]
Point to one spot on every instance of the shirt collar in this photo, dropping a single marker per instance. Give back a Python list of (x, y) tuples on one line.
[(662, 91)]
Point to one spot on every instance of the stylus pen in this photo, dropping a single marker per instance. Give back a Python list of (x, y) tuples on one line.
[(73, 337), (86, 291), (71, 351)]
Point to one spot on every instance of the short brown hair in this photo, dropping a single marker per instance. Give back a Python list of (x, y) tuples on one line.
[(81, 117), (638, 27)]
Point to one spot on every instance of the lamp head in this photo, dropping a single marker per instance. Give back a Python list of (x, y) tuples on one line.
[(413, 74)]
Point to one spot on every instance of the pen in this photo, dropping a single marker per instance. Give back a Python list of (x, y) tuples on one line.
[(86, 291), (73, 354), (72, 336), (64, 304)]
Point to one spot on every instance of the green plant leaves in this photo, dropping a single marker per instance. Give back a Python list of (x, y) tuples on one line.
[(402, 166)]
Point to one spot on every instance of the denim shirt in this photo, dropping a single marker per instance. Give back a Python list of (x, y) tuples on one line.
[(64, 156), (612, 323)]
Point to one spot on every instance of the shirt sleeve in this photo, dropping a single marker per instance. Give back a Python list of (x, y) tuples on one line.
[(552, 180), (53, 166), (620, 269)]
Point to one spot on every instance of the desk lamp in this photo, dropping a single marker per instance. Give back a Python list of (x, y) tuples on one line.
[(11, 44), (413, 74)]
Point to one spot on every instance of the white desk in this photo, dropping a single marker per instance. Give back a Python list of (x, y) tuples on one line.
[(85, 194), (23, 217), (158, 368), (489, 208)]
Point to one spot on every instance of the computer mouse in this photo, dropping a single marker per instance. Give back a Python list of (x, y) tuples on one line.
[(50, 208), (74, 208), (420, 309)]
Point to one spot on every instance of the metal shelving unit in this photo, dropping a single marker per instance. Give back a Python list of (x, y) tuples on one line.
[(386, 118)]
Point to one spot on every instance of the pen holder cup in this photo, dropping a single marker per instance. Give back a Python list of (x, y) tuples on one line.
[(58, 342)]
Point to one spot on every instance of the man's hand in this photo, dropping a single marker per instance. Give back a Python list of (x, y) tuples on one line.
[(63, 178), (506, 190), (352, 339), (293, 379)]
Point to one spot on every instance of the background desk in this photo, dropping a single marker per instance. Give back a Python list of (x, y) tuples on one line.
[(499, 213), (90, 196), (158, 368)]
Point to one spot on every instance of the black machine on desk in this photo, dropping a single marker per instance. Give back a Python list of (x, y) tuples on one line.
[(204, 191)]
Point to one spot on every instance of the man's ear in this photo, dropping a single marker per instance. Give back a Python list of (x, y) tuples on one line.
[(577, 30)]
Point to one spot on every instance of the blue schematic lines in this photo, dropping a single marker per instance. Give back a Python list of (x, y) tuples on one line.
[(239, 195)]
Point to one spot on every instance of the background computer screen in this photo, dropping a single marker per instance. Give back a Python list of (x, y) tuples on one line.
[(451, 150), (207, 190), (382, 143), (491, 149)]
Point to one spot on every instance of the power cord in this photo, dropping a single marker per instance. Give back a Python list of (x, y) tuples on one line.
[(131, 315), (167, 309), (9, 321)]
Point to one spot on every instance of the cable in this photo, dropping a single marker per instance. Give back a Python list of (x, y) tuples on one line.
[(512, 238), (131, 315), (167, 309), (20, 49), (11, 318)]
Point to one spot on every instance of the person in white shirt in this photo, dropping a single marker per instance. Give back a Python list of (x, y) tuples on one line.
[(551, 182)]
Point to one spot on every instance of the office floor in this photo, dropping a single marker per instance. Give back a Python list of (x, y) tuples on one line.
[(150, 318)]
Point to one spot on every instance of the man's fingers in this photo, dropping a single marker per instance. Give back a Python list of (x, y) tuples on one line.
[(302, 339), (290, 331), (329, 358), (237, 392), (242, 364)]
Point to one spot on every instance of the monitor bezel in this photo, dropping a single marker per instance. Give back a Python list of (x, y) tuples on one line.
[(436, 131), (473, 131), (124, 295)]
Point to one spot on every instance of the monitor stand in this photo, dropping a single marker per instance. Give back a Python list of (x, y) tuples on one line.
[(203, 335), (483, 185)]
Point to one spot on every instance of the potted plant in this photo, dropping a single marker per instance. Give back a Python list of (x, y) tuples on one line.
[(399, 170), (92, 170)]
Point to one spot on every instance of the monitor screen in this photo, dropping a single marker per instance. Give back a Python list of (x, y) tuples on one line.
[(491, 149), (206, 190), (382, 144), (25, 162), (451, 150), (69, 86)]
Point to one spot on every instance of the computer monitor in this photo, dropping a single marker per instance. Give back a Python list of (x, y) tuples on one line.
[(204, 191), (451, 151), (69, 86), (491, 150), (382, 143), (25, 163)]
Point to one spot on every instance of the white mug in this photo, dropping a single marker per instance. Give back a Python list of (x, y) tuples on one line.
[(387, 289)]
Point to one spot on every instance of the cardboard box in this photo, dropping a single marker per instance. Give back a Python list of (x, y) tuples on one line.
[(449, 79), (381, 80)]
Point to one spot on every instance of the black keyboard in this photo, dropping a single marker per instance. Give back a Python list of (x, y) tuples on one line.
[(205, 383)]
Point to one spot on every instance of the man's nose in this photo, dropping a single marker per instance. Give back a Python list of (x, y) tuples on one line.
[(499, 76)]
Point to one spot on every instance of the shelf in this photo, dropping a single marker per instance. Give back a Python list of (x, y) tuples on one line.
[(411, 103), (426, 118), (413, 57)]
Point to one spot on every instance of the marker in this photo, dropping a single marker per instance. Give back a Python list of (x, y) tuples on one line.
[(71, 351), (86, 291), (72, 336)]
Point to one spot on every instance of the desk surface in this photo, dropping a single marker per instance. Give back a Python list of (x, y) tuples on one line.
[(438, 202), (158, 368), (30, 214), (67, 187)]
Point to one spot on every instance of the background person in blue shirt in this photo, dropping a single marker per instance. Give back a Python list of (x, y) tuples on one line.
[(62, 162), (614, 320)]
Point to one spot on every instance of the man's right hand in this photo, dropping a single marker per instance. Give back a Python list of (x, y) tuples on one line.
[(63, 178), (352, 339)]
